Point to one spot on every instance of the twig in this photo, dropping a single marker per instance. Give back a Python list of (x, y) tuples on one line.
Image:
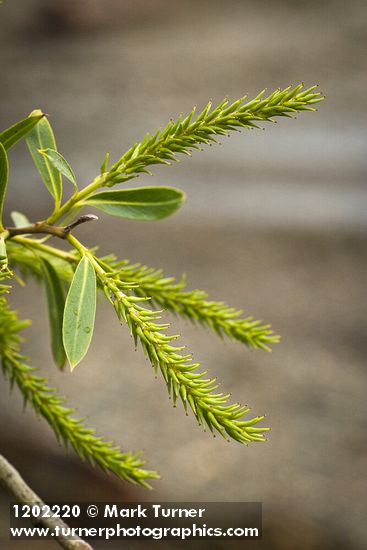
[(43, 227), (11, 480)]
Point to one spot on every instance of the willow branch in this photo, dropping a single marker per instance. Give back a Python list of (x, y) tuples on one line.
[(12, 481), (46, 229)]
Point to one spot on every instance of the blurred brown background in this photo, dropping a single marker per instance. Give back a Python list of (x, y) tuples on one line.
[(275, 222)]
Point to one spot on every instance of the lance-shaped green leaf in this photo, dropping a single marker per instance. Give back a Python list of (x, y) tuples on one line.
[(19, 219), (42, 137), (145, 203), (4, 173), (104, 164), (79, 313), (60, 163), (3, 255), (15, 133), (56, 303)]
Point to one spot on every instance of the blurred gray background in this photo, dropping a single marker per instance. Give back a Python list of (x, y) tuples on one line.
[(275, 222)]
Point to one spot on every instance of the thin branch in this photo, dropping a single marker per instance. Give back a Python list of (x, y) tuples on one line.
[(12, 481), (82, 219), (45, 228), (36, 228), (44, 248)]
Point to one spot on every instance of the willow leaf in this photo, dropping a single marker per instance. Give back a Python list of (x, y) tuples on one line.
[(19, 219), (56, 304), (61, 164), (79, 313), (4, 173), (145, 203), (15, 133), (3, 255), (42, 137)]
